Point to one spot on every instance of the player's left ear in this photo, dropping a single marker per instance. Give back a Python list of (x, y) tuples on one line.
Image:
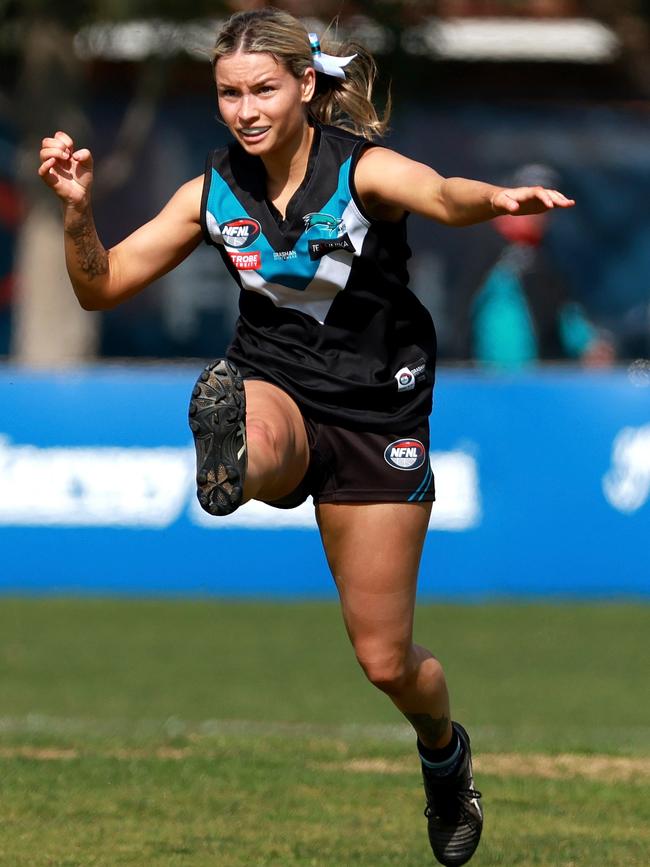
[(308, 84)]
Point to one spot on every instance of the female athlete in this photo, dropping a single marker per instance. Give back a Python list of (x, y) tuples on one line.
[(327, 386)]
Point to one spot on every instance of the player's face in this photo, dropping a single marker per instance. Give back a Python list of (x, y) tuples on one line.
[(261, 101)]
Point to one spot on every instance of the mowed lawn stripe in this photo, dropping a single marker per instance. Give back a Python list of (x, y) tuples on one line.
[(540, 678), (169, 733), (549, 767), (279, 804)]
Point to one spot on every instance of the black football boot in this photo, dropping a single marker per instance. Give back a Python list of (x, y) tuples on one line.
[(454, 815), (217, 418)]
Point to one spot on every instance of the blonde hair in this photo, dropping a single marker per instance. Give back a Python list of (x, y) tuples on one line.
[(346, 103)]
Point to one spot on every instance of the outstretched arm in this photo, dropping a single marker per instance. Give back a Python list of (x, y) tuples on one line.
[(390, 184), (103, 278)]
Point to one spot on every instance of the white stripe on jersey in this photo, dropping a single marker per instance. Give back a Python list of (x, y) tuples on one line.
[(330, 278)]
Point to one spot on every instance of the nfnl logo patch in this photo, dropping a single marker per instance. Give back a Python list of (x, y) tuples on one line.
[(405, 454), (241, 232), (246, 261)]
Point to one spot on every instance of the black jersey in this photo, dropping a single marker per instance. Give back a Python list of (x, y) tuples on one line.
[(325, 308)]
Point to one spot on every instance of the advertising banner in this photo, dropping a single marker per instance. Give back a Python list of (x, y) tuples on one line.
[(542, 483)]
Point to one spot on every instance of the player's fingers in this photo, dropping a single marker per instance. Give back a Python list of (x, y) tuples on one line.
[(510, 204), (52, 142), (47, 173), (560, 199), (83, 155), (45, 167), (503, 201), (65, 138), (57, 152), (544, 196)]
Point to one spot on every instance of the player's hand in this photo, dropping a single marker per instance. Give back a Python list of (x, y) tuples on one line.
[(521, 201), (68, 172)]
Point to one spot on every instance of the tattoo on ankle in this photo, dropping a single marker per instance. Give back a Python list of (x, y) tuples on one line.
[(91, 256), (429, 728)]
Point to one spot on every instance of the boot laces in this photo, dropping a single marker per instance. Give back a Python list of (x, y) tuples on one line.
[(463, 797)]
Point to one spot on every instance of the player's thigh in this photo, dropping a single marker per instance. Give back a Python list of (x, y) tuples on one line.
[(276, 431), (374, 552)]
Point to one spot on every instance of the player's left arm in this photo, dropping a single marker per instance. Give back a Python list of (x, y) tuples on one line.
[(390, 184)]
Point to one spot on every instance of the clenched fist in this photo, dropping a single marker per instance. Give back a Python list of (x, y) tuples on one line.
[(68, 172)]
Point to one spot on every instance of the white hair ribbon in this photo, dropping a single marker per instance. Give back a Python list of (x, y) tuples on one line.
[(328, 64)]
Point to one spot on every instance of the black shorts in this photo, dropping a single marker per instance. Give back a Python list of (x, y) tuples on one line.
[(350, 466)]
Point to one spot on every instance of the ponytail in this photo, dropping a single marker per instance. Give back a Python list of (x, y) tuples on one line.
[(345, 103)]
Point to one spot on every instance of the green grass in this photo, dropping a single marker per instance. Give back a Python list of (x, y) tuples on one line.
[(209, 733)]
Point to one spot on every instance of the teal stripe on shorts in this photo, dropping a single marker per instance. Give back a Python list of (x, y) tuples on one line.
[(423, 487)]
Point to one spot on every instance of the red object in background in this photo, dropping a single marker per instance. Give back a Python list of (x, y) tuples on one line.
[(6, 289), (528, 229), (11, 214), (11, 205)]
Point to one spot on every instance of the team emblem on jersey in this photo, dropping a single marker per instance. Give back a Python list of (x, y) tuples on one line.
[(326, 234), (405, 454), (328, 226), (240, 232)]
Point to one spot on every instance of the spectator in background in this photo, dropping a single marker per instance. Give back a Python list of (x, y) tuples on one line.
[(512, 307), (10, 215)]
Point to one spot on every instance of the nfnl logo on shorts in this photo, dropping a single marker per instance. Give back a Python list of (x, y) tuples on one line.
[(246, 261), (405, 454), (240, 233)]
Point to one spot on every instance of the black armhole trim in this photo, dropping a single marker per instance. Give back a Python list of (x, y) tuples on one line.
[(227, 261), (207, 179)]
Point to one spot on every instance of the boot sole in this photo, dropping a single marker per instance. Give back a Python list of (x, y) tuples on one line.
[(217, 419)]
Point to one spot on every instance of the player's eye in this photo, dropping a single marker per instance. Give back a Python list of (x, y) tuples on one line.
[(227, 92)]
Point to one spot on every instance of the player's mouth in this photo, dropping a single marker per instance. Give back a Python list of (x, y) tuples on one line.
[(253, 134)]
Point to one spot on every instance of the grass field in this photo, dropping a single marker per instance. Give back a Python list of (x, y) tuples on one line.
[(211, 733)]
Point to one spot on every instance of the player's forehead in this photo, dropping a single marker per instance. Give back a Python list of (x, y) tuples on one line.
[(245, 68)]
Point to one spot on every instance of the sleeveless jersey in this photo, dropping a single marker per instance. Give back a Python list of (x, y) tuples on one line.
[(325, 309)]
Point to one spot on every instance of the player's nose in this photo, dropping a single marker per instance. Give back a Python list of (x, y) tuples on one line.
[(248, 110)]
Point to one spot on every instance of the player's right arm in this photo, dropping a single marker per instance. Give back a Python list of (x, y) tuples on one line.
[(104, 278)]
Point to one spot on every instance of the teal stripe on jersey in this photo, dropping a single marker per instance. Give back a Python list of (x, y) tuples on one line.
[(423, 487), (294, 273), (224, 205)]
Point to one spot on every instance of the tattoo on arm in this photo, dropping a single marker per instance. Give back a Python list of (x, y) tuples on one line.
[(429, 728), (92, 258)]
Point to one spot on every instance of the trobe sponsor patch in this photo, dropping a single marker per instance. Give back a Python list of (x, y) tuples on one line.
[(251, 261)]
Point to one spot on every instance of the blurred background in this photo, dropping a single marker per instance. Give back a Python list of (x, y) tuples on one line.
[(541, 429), (164, 730)]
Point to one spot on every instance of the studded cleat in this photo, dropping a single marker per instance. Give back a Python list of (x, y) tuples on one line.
[(454, 815), (217, 418)]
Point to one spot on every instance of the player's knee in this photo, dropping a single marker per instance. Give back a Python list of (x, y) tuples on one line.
[(263, 440), (391, 674)]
